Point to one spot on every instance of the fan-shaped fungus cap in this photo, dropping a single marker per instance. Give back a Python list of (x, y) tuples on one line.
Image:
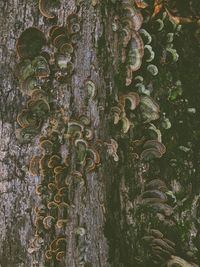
[(30, 43), (24, 69), (81, 148), (156, 184), (150, 153), (133, 98), (48, 222), (39, 107), (149, 108), (34, 166), (54, 161), (132, 16), (47, 147), (47, 8), (41, 67), (26, 119), (176, 261), (146, 37), (60, 255), (90, 88), (155, 144)]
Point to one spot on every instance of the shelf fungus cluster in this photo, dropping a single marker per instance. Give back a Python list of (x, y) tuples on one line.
[(47, 8), (152, 149), (60, 178), (63, 39), (159, 248), (131, 44), (40, 62), (33, 72), (126, 102)]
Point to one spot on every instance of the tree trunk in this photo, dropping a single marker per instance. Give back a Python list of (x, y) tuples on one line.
[(107, 206)]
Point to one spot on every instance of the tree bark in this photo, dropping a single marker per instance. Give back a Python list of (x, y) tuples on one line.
[(107, 207)]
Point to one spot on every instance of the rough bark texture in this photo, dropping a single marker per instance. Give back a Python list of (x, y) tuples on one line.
[(17, 186), (107, 208)]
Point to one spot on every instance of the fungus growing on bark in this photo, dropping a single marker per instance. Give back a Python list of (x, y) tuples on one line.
[(90, 88), (149, 54), (47, 8), (179, 262), (30, 43), (134, 56), (34, 166), (152, 149), (149, 109), (146, 37), (41, 67)]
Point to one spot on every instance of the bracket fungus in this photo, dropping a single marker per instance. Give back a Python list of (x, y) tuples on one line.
[(134, 56), (112, 148), (47, 8), (131, 16), (30, 43), (91, 89), (152, 149), (149, 109), (34, 167), (176, 261)]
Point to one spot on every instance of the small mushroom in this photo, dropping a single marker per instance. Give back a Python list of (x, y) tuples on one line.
[(149, 109), (131, 16), (47, 8), (47, 147), (61, 223), (60, 255), (126, 124), (54, 161), (133, 98), (48, 254), (150, 153), (152, 69), (26, 119), (149, 54), (116, 113), (34, 167), (90, 88), (112, 149), (75, 129), (155, 144), (156, 184), (66, 48), (179, 262), (41, 67), (81, 150), (48, 222), (146, 37), (40, 107)]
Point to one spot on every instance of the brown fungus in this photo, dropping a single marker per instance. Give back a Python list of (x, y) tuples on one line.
[(131, 16), (30, 43), (34, 166), (47, 8)]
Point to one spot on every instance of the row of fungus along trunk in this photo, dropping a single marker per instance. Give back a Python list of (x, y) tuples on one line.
[(67, 147), (147, 33)]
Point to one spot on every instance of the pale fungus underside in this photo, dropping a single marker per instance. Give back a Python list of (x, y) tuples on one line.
[(69, 149)]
